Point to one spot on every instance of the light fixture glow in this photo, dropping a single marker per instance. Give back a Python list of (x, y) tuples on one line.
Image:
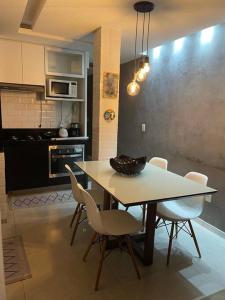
[(178, 44), (133, 88), (207, 35), (146, 67), (156, 52), (141, 75)]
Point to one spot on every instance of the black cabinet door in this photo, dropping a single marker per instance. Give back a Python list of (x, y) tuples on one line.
[(26, 165)]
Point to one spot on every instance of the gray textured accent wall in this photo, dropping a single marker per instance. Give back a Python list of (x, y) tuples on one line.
[(183, 105)]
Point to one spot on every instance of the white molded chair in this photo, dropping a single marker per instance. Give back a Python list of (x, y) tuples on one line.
[(182, 211), (117, 223), (96, 194), (158, 162)]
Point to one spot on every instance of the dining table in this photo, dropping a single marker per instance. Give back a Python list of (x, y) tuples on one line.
[(151, 186)]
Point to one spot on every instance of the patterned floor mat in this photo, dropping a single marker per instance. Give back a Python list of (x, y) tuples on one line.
[(16, 265), (40, 199)]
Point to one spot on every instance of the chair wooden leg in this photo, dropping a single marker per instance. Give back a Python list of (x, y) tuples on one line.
[(144, 214), (170, 243), (127, 208), (157, 222), (74, 215), (89, 246), (194, 238), (100, 263), (77, 224), (131, 253)]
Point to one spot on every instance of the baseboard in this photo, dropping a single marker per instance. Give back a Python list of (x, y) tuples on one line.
[(211, 227)]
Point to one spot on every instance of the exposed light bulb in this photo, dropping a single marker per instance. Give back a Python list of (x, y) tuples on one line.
[(146, 67), (146, 64), (133, 88), (141, 75)]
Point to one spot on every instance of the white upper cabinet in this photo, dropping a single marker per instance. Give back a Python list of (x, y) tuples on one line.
[(10, 62), (33, 64), (22, 63), (61, 62)]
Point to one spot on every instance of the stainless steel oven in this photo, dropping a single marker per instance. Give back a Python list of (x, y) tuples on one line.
[(59, 155)]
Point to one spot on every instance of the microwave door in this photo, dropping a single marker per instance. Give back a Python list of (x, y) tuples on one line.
[(60, 89)]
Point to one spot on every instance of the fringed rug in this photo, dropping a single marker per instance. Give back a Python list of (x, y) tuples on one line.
[(16, 265), (40, 199)]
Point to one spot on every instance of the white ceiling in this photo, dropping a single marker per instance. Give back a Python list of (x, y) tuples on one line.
[(62, 21)]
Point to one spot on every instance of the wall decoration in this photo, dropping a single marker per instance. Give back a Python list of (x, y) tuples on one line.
[(110, 85), (109, 115)]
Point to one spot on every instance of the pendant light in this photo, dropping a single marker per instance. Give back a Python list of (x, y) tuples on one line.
[(140, 75), (133, 88)]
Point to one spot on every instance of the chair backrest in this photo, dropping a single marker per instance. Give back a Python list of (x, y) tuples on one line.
[(198, 177), (159, 162), (196, 202), (94, 218), (75, 190)]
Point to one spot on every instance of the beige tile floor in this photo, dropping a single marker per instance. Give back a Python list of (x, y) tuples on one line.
[(58, 272)]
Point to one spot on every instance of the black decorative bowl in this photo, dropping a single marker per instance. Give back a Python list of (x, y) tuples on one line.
[(127, 165)]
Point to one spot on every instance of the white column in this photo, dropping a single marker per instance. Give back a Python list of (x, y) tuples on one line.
[(106, 59)]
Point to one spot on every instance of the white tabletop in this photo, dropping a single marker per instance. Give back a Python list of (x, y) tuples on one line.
[(152, 184)]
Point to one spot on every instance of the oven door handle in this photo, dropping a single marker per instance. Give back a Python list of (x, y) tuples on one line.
[(67, 155)]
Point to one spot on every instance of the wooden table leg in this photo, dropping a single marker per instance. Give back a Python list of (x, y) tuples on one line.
[(146, 255), (149, 234), (115, 203), (107, 199)]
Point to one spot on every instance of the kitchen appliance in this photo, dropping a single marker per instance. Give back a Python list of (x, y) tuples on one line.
[(63, 133), (59, 155), (61, 88), (74, 130)]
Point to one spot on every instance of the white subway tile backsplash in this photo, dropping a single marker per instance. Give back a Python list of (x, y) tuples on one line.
[(23, 110)]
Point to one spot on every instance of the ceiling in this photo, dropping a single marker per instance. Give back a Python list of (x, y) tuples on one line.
[(71, 23)]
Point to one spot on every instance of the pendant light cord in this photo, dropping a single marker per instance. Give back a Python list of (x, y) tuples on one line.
[(148, 33), (135, 48), (143, 34)]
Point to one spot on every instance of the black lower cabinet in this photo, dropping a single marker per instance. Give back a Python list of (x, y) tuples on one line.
[(26, 166)]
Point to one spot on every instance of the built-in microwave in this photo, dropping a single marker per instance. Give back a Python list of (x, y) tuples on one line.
[(62, 88)]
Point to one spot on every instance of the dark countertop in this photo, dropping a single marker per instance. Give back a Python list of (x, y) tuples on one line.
[(53, 139), (48, 142)]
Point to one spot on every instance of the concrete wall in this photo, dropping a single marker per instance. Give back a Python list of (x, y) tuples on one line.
[(183, 105)]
